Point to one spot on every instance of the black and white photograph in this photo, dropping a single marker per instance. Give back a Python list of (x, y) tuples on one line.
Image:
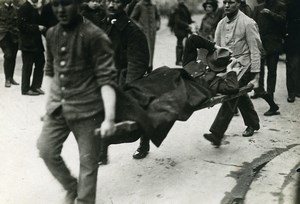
[(150, 101)]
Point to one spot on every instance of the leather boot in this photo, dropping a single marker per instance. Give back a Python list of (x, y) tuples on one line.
[(179, 53)]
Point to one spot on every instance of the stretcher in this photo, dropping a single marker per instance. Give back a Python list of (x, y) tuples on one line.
[(129, 126)]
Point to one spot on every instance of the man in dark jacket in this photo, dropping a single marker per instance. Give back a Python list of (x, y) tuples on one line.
[(131, 52), (129, 43), (32, 48), (293, 50), (181, 28), (9, 40), (271, 23)]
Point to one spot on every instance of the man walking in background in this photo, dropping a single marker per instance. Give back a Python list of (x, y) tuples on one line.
[(181, 28), (9, 40), (31, 45), (146, 15)]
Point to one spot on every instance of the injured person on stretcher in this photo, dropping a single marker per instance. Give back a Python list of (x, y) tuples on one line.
[(166, 95)]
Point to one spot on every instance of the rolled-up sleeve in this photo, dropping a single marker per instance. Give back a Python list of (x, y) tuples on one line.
[(254, 43), (102, 60)]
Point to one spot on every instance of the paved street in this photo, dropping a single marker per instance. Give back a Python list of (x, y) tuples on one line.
[(186, 169)]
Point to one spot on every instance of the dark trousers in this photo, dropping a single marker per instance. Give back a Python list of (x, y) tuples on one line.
[(10, 49), (226, 112), (56, 130), (272, 61), (293, 72), (29, 59), (179, 49)]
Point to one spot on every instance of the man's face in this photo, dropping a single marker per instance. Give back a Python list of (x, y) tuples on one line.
[(114, 7), (230, 6), (65, 10), (209, 8)]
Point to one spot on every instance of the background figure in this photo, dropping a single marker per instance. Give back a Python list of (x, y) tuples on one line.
[(245, 8), (130, 7), (31, 45), (47, 16), (271, 23), (146, 14), (94, 11), (182, 21), (293, 50), (9, 40), (210, 20)]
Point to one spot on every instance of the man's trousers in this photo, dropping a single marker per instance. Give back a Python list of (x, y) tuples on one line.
[(10, 49), (55, 131), (30, 58), (226, 111)]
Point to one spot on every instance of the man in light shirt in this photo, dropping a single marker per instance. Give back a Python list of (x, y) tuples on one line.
[(239, 33)]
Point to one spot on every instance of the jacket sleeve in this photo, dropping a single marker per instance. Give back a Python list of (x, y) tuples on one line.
[(137, 55), (254, 43), (218, 33), (49, 71), (102, 59), (229, 84)]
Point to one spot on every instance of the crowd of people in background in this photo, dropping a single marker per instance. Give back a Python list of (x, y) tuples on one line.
[(277, 21)]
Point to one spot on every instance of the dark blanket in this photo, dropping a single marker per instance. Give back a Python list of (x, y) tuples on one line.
[(166, 95)]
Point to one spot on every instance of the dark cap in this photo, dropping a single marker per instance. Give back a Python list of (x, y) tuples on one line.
[(219, 59)]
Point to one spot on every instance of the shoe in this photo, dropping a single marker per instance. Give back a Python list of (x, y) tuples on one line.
[(249, 131), (141, 152), (291, 99), (70, 197), (13, 82), (216, 141), (31, 93), (272, 111), (40, 91), (7, 83)]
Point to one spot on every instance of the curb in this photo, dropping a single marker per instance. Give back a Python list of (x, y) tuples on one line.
[(277, 180)]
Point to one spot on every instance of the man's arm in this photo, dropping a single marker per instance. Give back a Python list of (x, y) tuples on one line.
[(109, 100), (137, 54), (254, 43)]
